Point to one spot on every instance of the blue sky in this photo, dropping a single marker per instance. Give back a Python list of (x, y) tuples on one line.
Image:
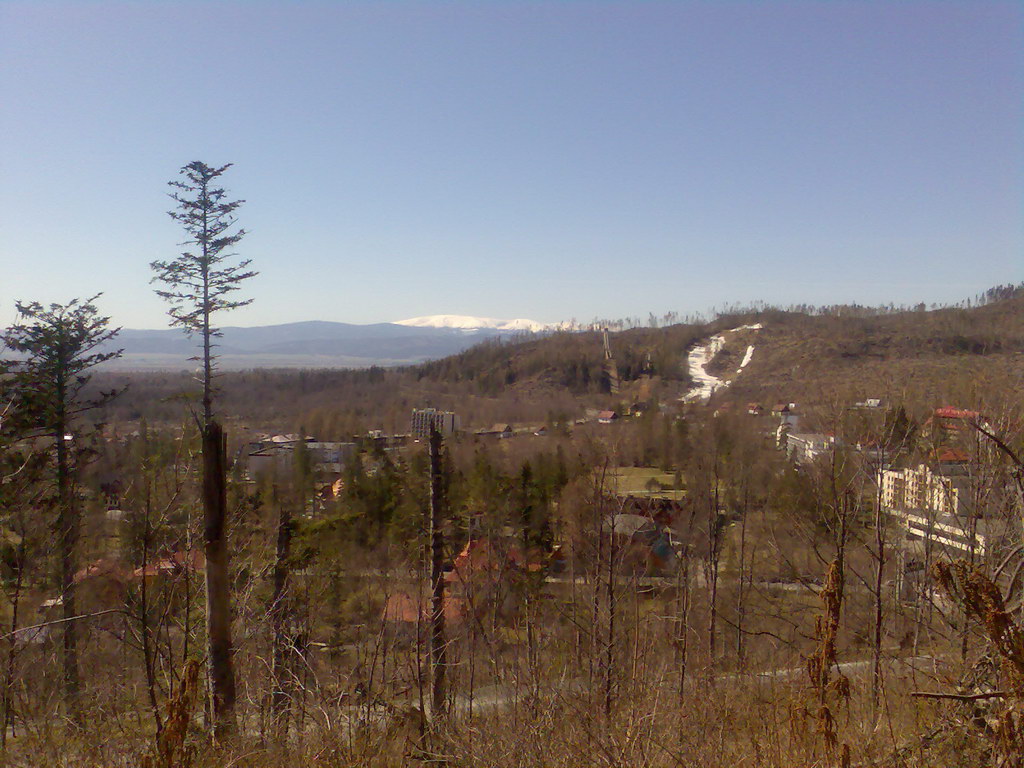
[(550, 160)]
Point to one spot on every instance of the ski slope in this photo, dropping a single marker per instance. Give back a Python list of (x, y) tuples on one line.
[(698, 359)]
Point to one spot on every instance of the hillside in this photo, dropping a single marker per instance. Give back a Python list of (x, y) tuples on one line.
[(951, 354), (936, 354), (796, 355)]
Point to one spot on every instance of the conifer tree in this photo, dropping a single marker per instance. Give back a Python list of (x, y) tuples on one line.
[(57, 345), (196, 284), (200, 281)]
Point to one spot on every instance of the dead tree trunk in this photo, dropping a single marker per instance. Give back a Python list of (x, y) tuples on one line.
[(714, 552), (218, 586), (12, 649), (438, 647), (741, 583), (609, 648), (145, 618), (682, 620), (68, 527), (279, 616), (879, 616)]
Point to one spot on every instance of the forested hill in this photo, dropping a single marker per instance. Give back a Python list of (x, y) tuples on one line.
[(804, 353), (808, 355), (949, 352)]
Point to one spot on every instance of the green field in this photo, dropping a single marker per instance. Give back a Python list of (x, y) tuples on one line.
[(642, 481)]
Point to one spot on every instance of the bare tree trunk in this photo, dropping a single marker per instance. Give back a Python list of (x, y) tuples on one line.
[(218, 586), (19, 578), (187, 583), (279, 616), (144, 618), (438, 647), (880, 555), (609, 648), (714, 536), (68, 525), (595, 603), (683, 619), (741, 586), (577, 633)]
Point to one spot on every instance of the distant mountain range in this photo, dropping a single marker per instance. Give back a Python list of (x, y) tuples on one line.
[(462, 322), (318, 344)]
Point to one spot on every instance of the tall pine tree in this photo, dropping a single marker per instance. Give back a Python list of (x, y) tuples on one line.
[(196, 284)]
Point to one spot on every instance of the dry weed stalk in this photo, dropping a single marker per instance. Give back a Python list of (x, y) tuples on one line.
[(982, 600), (170, 746), (821, 662)]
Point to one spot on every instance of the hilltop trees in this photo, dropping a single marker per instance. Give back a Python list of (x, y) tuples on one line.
[(58, 345), (197, 284)]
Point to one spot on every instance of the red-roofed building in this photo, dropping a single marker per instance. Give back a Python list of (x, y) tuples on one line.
[(950, 456), (103, 568), (403, 611), (947, 424), (949, 412), (100, 586), (491, 559), (172, 566)]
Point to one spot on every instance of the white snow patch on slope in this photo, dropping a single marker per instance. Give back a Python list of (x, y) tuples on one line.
[(704, 384), (467, 323), (746, 358)]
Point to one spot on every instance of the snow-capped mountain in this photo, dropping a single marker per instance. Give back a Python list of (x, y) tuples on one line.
[(466, 323)]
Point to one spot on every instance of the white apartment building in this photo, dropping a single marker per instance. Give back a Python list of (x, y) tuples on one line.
[(445, 422), (805, 447), (922, 489), (934, 507)]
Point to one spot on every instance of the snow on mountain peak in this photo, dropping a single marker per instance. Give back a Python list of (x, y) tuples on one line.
[(466, 323)]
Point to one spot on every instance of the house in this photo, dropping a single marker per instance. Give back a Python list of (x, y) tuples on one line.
[(500, 431), (645, 546), (490, 572), (268, 459), (172, 566), (755, 409), (277, 455), (661, 510), (100, 586), (871, 402), (607, 417), (481, 583), (492, 558), (639, 408), (329, 457)]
